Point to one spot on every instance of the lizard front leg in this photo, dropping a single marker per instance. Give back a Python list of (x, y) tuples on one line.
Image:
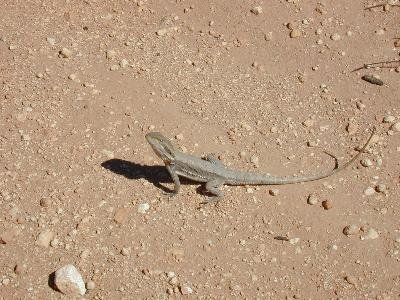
[(213, 186), (175, 178)]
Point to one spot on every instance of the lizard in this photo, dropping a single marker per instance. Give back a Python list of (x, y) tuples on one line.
[(214, 173)]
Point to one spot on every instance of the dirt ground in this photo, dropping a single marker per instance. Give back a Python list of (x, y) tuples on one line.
[(266, 85)]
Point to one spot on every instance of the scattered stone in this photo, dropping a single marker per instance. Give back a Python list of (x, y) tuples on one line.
[(397, 43), (254, 159), (372, 78), (69, 281), (143, 208), (294, 241), (5, 281), (65, 53), (162, 31), (12, 47), (19, 269), (312, 199), (395, 127), (121, 215), (8, 236), (90, 285), (110, 54), (179, 137), (51, 41), (351, 229), (369, 191), (45, 202), (185, 289), (351, 279), (274, 192), (256, 10), (123, 63), (327, 204), (309, 123), (126, 251), (295, 33), (388, 119), (381, 188), (352, 128), (44, 238), (380, 31), (268, 36), (370, 235), (114, 67), (366, 162), (73, 77), (335, 37)]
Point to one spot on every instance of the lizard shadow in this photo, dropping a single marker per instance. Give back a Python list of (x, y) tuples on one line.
[(153, 174)]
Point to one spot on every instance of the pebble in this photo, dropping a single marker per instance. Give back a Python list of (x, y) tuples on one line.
[(335, 37), (268, 36), (185, 289), (372, 78), (369, 191), (45, 202), (370, 235), (351, 229), (72, 76), (90, 285), (380, 31), (397, 43), (51, 41), (309, 123), (256, 10), (8, 236), (274, 192), (254, 159), (65, 53), (121, 215), (110, 54), (126, 251), (388, 119), (366, 162), (123, 63), (179, 137), (327, 204), (69, 281), (295, 33), (395, 127), (352, 128), (143, 208), (351, 279), (44, 238), (312, 199), (381, 188), (5, 281)]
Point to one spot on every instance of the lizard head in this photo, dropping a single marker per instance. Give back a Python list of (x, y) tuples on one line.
[(161, 146)]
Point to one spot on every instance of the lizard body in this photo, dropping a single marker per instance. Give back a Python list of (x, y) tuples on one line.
[(214, 174)]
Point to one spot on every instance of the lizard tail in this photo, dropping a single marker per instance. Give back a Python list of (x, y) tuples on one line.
[(288, 180)]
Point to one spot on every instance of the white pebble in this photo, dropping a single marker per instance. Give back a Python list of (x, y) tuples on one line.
[(185, 289), (389, 119), (44, 238), (143, 208), (370, 235), (256, 10), (395, 127), (351, 229), (335, 37), (69, 281), (366, 162), (90, 285), (312, 199), (369, 191), (65, 53)]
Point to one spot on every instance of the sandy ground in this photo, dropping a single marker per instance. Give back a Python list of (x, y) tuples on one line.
[(266, 85)]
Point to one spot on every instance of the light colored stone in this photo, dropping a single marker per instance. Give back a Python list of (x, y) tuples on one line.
[(369, 191), (351, 229), (371, 234), (143, 208), (65, 53), (335, 37), (185, 289), (312, 199), (44, 238), (256, 10), (69, 281), (295, 33), (395, 127), (121, 215)]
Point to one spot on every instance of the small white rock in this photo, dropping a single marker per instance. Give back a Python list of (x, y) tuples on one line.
[(143, 208), (256, 10), (312, 199), (389, 119), (44, 238), (69, 281), (369, 191), (274, 192), (185, 289), (366, 162), (90, 285), (351, 229), (395, 127), (65, 53), (370, 235), (335, 37)]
